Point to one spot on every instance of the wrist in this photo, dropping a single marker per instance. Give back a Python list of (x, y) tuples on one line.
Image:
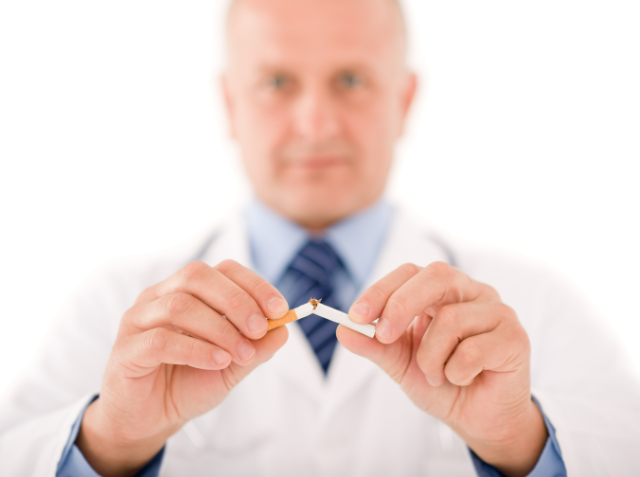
[(514, 450), (109, 450)]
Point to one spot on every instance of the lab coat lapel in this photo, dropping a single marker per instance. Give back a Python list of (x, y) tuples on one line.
[(230, 242), (295, 362), (406, 243)]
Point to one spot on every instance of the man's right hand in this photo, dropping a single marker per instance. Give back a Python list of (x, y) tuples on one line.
[(176, 357)]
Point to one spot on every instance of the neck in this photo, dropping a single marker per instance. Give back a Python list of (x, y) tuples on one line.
[(317, 223)]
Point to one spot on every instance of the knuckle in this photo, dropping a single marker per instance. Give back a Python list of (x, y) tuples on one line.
[(236, 299), (409, 268), (395, 307), (508, 312), (129, 316), (135, 319), (440, 269), (147, 294), (229, 335), (490, 292), (155, 341), (178, 303), (468, 352), (454, 375), (258, 286), (189, 349), (447, 316), (520, 337), (194, 271), (227, 265)]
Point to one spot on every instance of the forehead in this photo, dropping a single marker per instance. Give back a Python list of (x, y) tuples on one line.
[(314, 31)]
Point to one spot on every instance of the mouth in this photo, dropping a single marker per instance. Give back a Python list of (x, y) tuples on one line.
[(315, 163)]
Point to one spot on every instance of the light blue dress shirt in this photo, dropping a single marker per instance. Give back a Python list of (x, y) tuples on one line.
[(274, 241)]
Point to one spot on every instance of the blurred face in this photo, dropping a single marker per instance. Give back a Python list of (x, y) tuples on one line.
[(317, 93)]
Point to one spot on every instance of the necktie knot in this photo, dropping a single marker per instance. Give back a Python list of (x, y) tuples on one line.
[(318, 261)]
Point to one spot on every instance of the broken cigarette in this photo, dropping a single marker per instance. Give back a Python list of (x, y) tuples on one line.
[(315, 307), (296, 314)]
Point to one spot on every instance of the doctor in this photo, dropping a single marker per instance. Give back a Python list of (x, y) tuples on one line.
[(480, 365)]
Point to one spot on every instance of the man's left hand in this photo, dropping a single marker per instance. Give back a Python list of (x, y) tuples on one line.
[(460, 354)]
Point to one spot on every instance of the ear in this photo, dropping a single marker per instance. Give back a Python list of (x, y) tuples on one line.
[(407, 98), (228, 103)]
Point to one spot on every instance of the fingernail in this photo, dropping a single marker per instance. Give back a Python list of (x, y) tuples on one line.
[(278, 306), (431, 382), (360, 310), (221, 357), (245, 350), (384, 329), (257, 323)]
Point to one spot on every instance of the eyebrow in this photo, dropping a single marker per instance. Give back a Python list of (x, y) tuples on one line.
[(357, 67)]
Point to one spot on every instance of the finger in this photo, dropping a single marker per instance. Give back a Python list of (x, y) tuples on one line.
[(392, 358), (185, 313), (438, 284), (451, 325), (204, 386), (372, 302), (145, 351), (501, 351), (217, 291), (265, 348), (266, 295)]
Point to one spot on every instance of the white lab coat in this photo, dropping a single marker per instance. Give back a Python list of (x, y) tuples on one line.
[(285, 419)]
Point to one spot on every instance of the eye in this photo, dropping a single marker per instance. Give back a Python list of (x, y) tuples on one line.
[(349, 80), (277, 82)]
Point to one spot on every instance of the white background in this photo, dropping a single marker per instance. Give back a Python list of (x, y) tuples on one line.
[(525, 136)]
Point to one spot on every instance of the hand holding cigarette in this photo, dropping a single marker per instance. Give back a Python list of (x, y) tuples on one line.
[(315, 307), (193, 336), (460, 354)]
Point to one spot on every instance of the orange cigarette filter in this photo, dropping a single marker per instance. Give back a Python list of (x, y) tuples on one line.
[(288, 318), (295, 314)]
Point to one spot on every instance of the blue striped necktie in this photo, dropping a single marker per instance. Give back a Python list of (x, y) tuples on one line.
[(311, 275)]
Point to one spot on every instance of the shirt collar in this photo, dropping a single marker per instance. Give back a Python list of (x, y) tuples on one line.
[(275, 240)]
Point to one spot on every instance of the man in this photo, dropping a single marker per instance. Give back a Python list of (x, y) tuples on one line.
[(155, 368)]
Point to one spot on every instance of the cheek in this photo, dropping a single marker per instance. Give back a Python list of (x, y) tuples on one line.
[(372, 131), (259, 133)]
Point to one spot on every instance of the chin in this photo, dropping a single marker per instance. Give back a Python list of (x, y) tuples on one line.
[(319, 199), (317, 209)]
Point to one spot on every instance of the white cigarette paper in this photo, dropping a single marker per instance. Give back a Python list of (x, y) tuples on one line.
[(304, 310), (343, 319)]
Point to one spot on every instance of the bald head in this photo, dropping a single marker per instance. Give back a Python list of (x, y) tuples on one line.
[(317, 92), (396, 16)]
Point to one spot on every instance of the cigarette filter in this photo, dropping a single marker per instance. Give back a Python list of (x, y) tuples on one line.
[(297, 313)]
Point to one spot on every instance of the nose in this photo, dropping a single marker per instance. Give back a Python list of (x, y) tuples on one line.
[(316, 114)]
